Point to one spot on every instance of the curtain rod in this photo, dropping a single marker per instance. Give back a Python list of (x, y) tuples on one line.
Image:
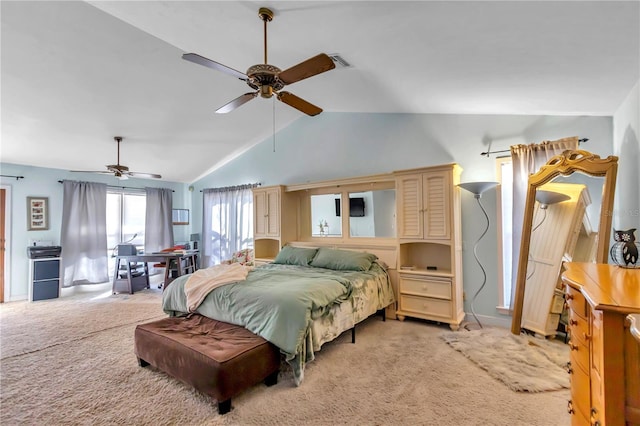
[(486, 154), (120, 187), (232, 188), (11, 176)]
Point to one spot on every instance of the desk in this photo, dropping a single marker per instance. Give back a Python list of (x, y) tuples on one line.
[(185, 262)]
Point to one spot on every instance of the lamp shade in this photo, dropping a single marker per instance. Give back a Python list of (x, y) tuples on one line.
[(546, 198), (477, 188)]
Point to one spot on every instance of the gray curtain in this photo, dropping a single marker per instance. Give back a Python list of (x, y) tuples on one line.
[(84, 233), (527, 160), (158, 227), (227, 222)]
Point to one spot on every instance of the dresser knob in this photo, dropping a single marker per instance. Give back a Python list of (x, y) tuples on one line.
[(568, 367), (570, 409), (573, 347), (569, 297), (586, 337), (573, 322)]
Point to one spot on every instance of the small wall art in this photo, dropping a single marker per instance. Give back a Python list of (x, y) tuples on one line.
[(37, 213)]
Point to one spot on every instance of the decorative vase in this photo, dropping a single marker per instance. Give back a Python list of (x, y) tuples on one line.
[(624, 252)]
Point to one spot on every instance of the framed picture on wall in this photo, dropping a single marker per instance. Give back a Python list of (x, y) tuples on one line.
[(37, 213), (180, 216)]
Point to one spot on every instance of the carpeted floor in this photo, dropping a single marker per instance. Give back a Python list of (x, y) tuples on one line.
[(70, 362)]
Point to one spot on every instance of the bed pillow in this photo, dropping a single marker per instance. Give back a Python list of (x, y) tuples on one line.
[(343, 260), (295, 256)]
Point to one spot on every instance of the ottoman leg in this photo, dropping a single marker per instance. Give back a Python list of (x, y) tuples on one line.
[(272, 378), (142, 362), (224, 407)]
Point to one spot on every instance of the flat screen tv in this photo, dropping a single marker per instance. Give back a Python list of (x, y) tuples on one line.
[(356, 207)]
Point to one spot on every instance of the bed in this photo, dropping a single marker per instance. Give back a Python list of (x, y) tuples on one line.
[(305, 298)]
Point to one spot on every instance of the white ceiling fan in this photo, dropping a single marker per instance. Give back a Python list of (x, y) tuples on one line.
[(120, 171)]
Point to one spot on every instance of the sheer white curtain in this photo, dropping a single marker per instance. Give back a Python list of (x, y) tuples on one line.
[(227, 223), (158, 227), (527, 159), (84, 233)]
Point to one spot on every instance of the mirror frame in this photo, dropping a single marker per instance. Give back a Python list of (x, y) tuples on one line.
[(565, 164)]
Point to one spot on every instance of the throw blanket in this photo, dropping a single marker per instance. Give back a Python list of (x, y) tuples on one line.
[(204, 281)]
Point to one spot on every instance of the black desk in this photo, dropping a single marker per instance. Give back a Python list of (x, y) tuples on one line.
[(183, 262)]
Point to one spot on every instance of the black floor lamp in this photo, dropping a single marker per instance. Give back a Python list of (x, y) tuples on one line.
[(477, 189)]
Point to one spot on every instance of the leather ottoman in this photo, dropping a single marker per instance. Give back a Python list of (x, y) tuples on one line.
[(216, 358)]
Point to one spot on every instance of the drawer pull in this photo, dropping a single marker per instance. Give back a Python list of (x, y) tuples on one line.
[(570, 409), (573, 347), (573, 322), (568, 367), (569, 297), (586, 337), (594, 422)]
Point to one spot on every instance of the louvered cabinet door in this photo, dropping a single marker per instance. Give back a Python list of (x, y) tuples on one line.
[(436, 187), (259, 214), (273, 213), (410, 206)]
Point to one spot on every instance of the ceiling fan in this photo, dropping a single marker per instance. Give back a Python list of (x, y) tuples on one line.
[(120, 171), (268, 80)]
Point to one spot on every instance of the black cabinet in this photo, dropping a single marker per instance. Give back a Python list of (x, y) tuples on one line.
[(44, 278)]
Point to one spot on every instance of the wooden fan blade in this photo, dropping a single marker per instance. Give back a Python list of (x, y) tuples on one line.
[(142, 175), (313, 66), (239, 101), (299, 103), (201, 60)]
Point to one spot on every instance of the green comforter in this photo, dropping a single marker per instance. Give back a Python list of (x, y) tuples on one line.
[(277, 302)]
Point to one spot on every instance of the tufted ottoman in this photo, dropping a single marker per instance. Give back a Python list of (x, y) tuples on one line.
[(216, 358)]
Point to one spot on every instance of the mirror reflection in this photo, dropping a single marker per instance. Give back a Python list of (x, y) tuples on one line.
[(564, 220), (372, 213), (325, 215)]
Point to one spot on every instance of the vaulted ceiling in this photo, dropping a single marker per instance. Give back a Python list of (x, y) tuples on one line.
[(75, 74)]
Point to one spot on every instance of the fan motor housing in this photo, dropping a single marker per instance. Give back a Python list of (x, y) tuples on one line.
[(264, 77)]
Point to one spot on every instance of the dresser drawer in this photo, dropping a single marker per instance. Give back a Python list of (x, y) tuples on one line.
[(576, 302), (580, 395), (426, 306), (425, 286), (579, 354), (579, 328), (596, 410)]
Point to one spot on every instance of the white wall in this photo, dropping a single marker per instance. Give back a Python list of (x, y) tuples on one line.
[(626, 145), (340, 145), (43, 182)]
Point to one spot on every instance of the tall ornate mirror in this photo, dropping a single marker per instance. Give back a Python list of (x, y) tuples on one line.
[(568, 213)]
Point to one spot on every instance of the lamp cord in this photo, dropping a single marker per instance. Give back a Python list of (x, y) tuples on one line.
[(475, 254)]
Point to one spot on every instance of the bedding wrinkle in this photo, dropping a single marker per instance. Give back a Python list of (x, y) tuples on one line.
[(204, 281)]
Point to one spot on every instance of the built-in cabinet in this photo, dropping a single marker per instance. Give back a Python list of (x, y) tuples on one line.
[(430, 247), (604, 362), (274, 221)]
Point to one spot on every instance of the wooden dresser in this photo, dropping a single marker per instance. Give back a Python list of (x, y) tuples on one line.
[(605, 364)]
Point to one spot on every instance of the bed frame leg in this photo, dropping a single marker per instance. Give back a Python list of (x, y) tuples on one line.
[(272, 378), (353, 334), (224, 407), (142, 362)]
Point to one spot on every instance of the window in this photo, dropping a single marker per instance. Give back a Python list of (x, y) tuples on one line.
[(125, 219), (505, 223)]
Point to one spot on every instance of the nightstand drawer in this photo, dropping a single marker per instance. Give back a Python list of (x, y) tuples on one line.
[(426, 306), (425, 286)]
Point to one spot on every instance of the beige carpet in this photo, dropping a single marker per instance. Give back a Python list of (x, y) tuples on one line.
[(524, 363), (71, 362)]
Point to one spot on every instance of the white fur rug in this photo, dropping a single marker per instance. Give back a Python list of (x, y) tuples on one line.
[(523, 363)]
